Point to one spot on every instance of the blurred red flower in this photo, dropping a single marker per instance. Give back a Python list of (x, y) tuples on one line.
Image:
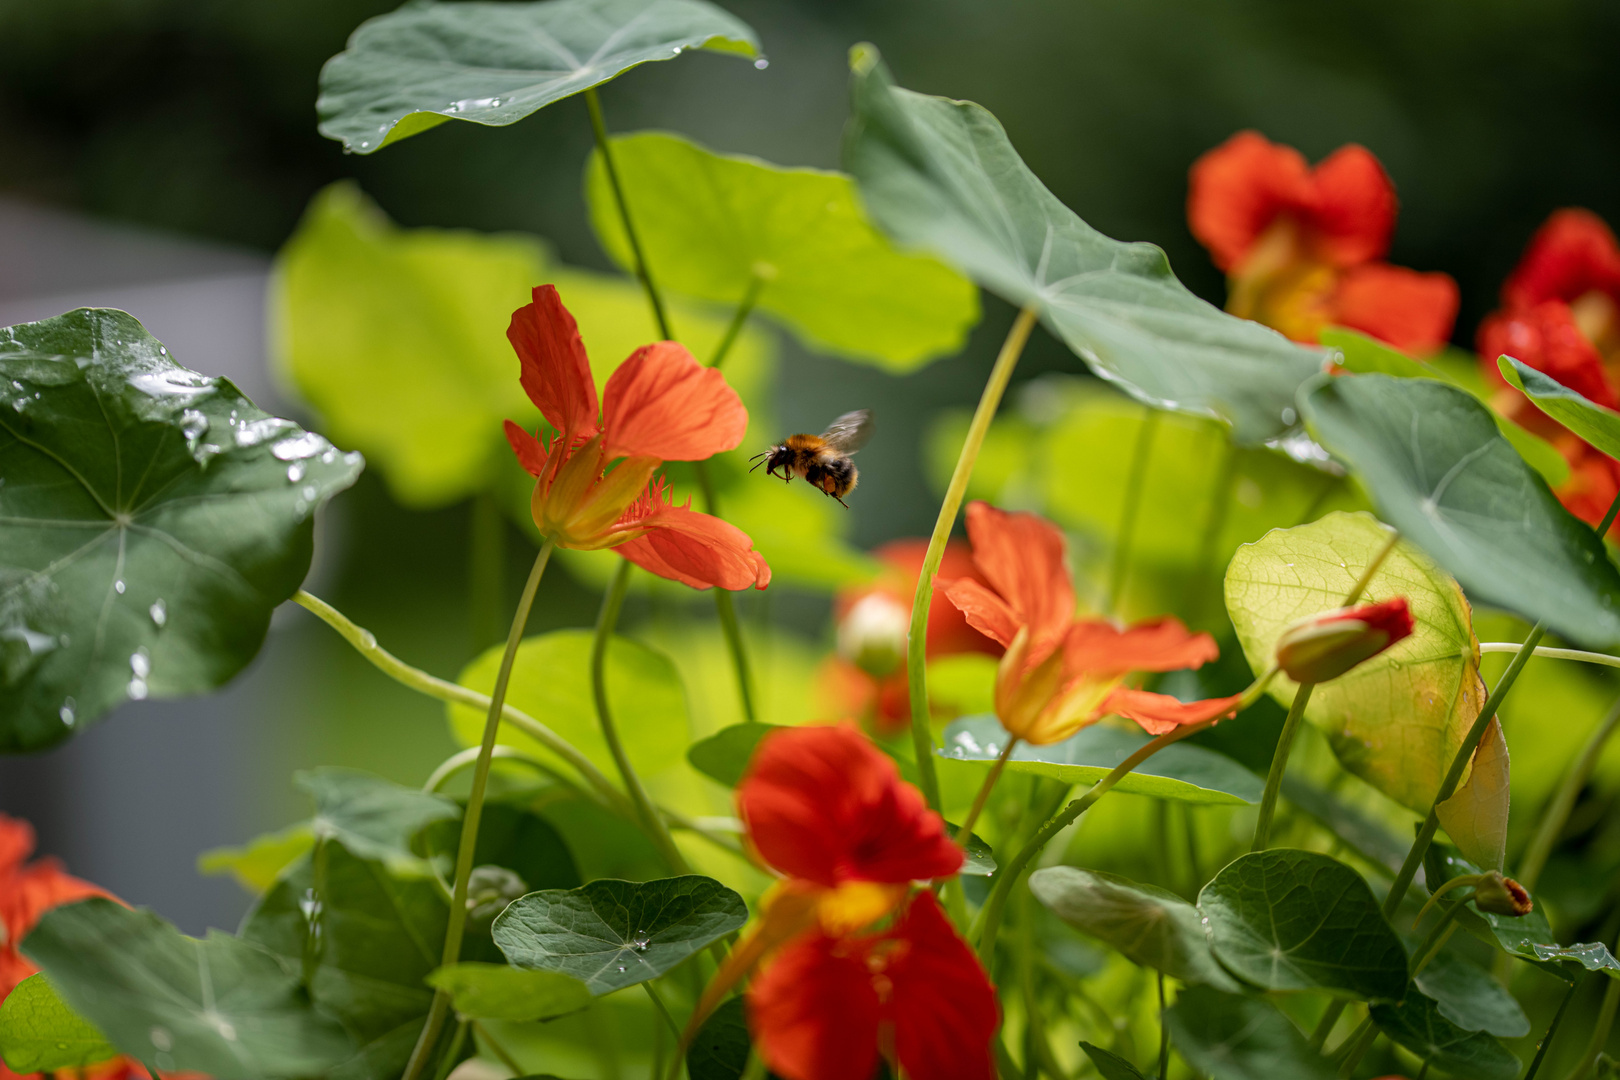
[(659, 405), (1301, 246), (1060, 673), (1560, 314)]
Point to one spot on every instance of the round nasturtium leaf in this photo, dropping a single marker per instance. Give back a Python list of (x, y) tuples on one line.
[(720, 227), (495, 63), (151, 519)]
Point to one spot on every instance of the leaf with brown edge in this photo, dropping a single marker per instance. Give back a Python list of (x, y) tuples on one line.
[(1476, 816)]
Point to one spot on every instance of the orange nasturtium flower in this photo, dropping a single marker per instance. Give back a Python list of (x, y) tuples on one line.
[(1301, 247), (1560, 314), (855, 964), (1061, 673), (659, 405)]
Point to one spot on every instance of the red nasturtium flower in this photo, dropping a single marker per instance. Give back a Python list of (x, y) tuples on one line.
[(1560, 314), (855, 964), (866, 677), (1060, 673), (659, 405), (1327, 645), (1302, 246)]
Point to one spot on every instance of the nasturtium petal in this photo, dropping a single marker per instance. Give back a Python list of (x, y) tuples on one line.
[(494, 63), (1417, 1024), (941, 176), (151, 519), (1595, 423), (1232, 1037), (722, 228), (502, 992), (40, 1034), (219, 1006), (1397, 719), (1298, 920), (1433, 460)]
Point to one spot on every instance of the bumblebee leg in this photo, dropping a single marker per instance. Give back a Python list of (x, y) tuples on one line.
[(841, 502)]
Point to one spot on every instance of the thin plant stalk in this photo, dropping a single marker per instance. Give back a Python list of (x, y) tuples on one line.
[(462, 760), (1437, 937), (965, 830), (1600, 1031), (739, 318), (1324, 1027), (726, 610), (500, 1051), (1552, 1030), (448, 1061), (663, 1010), (1554, 818), (1548, 652), (605, 148), (1124, 539), (1164, 1033), (922, 735), (1357, 1045), (1279, 765), (1222, 493), (652, 822), (473, 814)]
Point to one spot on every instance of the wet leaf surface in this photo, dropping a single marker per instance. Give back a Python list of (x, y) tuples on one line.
[(374, 818)]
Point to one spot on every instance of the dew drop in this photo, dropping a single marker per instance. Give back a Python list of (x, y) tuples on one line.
[(762, 63), (309, 492), (295, 472), (140, 662), (621, 967), (136, 689), (118, 587), (159, 612), (67, 713), (641, 941), (161, 1039)]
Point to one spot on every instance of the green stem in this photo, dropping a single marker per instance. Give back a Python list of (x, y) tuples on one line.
[(1558, 810), (462, 760), (1221, 496), (1164, 1033), (486, 547), (448, 1061), (1279, 765), (1324, 1027), (1600, 1031), (473, 814), (1465, 753), (964, 830), (1547, 651), (652, 822), (1552, 1030), (726, 609), (1437, 938), (500, 1051), (922, 734), (1120, 569), (1424, 1071), (663, 1010), (756, 284), (1359, 1042), (605, 148)]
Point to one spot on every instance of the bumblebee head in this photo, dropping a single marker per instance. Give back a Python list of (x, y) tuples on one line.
[(776, 458)]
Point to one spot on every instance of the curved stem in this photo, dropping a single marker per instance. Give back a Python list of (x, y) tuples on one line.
[(965, 830), (1372, 568), (605, 147), (1465, 754), (1600, 1031), (663, 1010), (463, 759), (922, 735), (1279, 765), (1552, 1030), (1120, 570), (652, 822), (474, 812), (1437, 938), (1486, 647), (745, 307)]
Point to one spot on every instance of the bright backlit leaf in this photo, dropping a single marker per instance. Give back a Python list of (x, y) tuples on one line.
[(551, 681), (1151, 926), (1596, 424), (374, 818), (721, 227), (1468, 996), (219, 1006), (40, 1034), (1396, 720), (1417, 1025), (499, 992), (1180, 771), (941, 176), (1297, 920), (724, 756), (256, 864), (1241, 1038), (1441, 473), (494, 64), (151, 519), (1476, 815), (612, 934)]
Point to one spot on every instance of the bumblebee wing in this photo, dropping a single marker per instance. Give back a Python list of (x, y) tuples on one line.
[(849, 432)]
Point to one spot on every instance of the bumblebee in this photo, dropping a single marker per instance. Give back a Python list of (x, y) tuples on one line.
[(823, 460)]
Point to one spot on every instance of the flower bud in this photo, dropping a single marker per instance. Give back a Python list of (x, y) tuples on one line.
[(1501, 895), (1326, 646), (490, 889), (872, 634)]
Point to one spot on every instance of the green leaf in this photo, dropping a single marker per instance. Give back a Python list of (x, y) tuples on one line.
[(220, 1006), (1591, 955), (256, 864), (1153, 927), (374, 818), (1432, 458), (365, 939), (1363, 834), (979, 859), (1241, 1038), (1468, 996), (1517, 936), (494, 64), (498, 992), (150, 521), (718, 227), (1297, 920), (1396, 720), (40, 1034), (721, 1046), (512, 836), (1180, 772), (941, 176), (1416, 1024), (1111, 1066), (612, 934), (724, 756), (551, 681), (1595, 423)]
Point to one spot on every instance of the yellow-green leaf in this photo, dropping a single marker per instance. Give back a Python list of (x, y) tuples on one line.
[(1476, 816)]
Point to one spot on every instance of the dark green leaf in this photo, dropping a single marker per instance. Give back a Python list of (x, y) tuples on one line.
[(1432, 458), (1111, 1066), (724, 756), (1149, 925), (720, 1048), (1468, 996), (1416, 1024), (1240, 1038), (220, 1006), (1179, 772), (1591, 955), (941, 176), (494, 64), (1596, 424), (366, 940), (1517, 936), (512, 836), (39, 1033), (498, 992), (980, 860), (612, 934), (1297, 920), (374, 818), (1366, 836), (150, 521)]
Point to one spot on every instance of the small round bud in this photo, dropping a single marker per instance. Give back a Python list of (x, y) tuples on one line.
[(1501, 895), (872, 634), (1326, 646), (490, 889)]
